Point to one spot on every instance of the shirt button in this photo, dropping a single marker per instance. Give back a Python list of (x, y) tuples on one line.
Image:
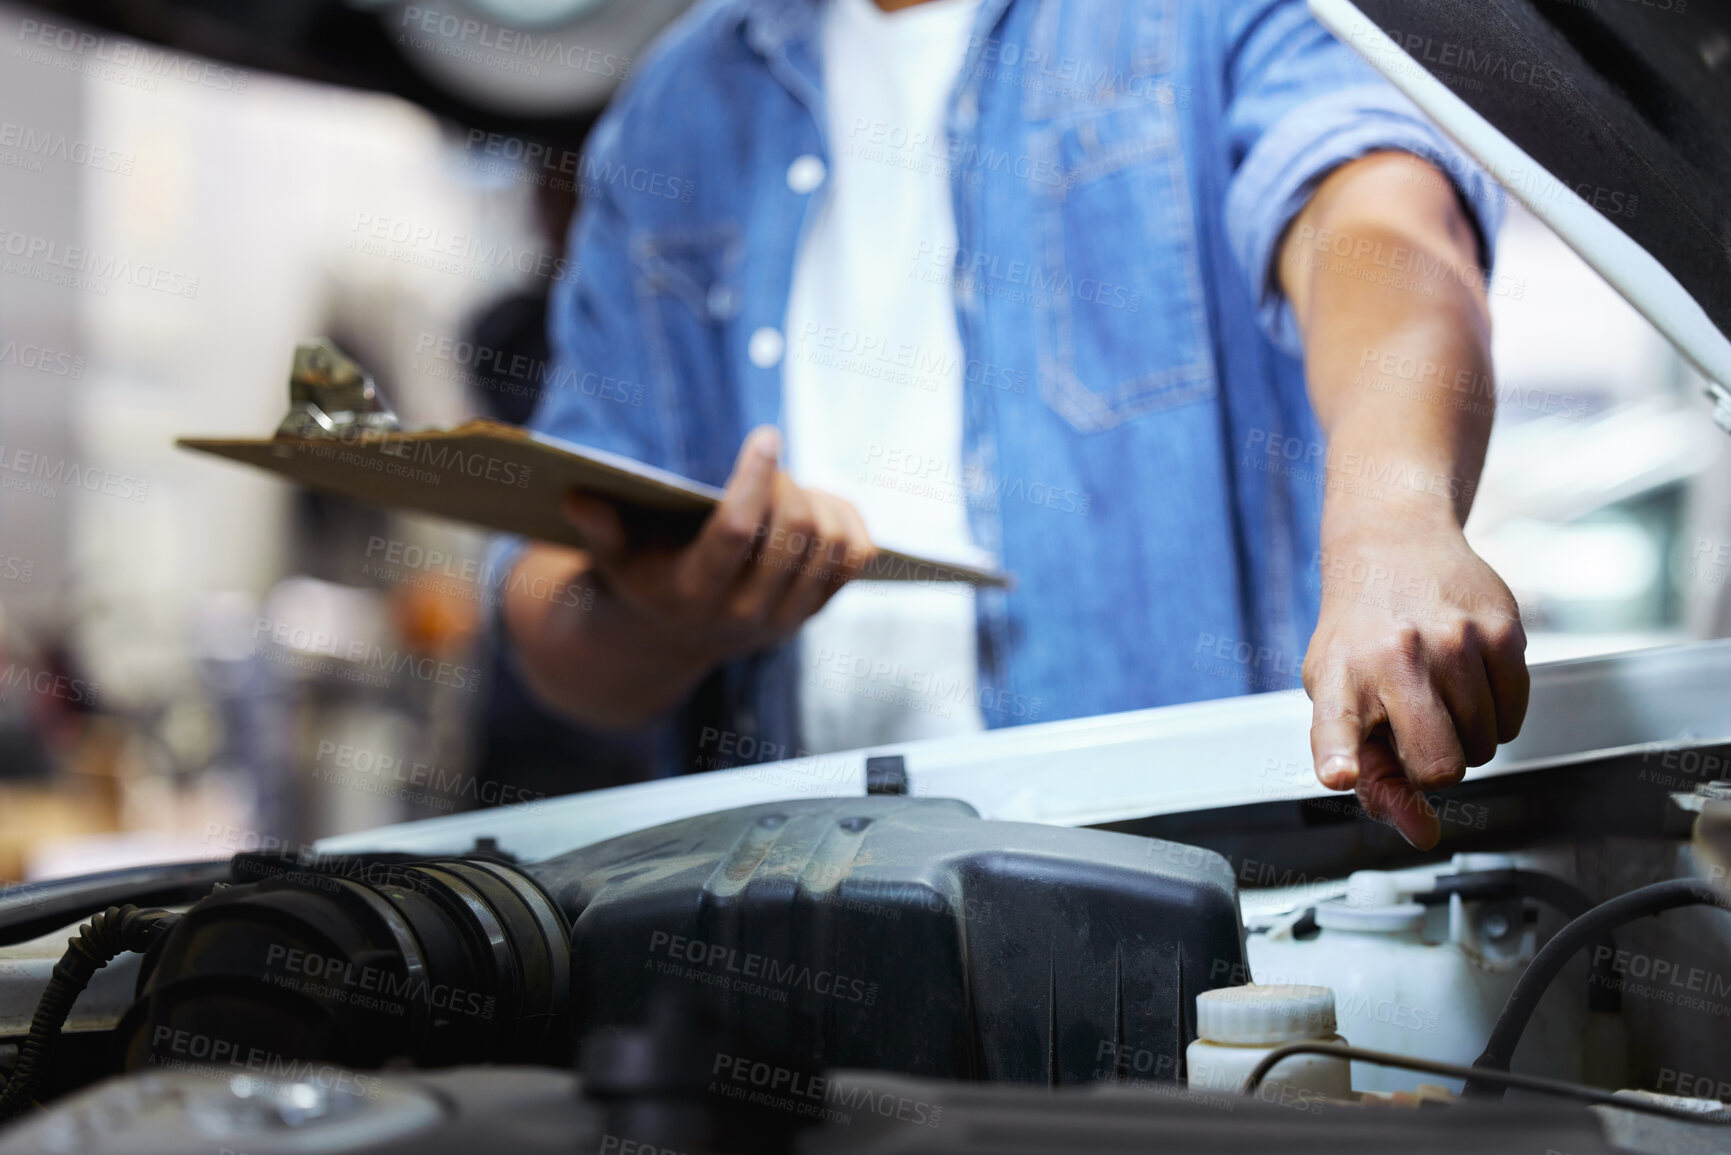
[(968, 109), (764, 348), (806, 173), (723, 302)]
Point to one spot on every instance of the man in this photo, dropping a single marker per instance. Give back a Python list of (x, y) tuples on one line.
[(1081, 285)]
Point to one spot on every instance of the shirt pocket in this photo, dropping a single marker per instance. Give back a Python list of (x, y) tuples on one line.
[(687, 292), (694, 268), (1123, 330), (1095, 54)]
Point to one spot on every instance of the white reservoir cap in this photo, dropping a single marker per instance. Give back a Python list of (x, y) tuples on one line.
[(1374, 888), (1406, 917), (1253, 1014)]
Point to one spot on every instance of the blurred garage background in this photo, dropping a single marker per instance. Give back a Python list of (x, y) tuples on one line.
[(162, 697)]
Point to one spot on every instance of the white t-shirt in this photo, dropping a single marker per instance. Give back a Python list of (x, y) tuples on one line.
[(872, 382)]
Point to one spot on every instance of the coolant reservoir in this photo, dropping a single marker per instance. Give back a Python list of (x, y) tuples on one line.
[(1427, 982), (1237, 1027)]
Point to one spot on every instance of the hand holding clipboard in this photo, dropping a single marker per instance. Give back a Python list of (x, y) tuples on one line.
[(339, 438)]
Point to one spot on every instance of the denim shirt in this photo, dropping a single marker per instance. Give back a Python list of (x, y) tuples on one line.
[(1139, 449)]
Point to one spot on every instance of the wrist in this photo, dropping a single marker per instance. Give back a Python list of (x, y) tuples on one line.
[(662, 650), (1375, 482), (586, 653), (1382, 513)]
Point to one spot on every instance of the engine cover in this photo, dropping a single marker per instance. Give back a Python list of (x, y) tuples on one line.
[(907, 935), (885, 933)]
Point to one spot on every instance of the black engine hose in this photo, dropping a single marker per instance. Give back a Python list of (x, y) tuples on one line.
[(98, 942), (1603, 992), (1537, 978)]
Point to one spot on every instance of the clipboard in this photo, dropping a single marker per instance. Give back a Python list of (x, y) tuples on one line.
[(341, 438)]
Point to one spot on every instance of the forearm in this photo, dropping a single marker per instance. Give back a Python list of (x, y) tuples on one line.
[(1416, 665), (1381, 269), (582, 652)]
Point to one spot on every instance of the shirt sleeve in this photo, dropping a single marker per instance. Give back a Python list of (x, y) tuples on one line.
[(1300, 104), (596, 389)]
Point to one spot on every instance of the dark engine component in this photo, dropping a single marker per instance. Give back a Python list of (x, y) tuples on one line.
[(536, 1111), (906, 935), (438, 962), (885, 932)]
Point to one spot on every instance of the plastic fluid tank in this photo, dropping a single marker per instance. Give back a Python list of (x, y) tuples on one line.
[(1430, 992), (1237, 1027)]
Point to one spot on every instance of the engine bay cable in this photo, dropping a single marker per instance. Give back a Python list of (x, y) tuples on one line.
[(1505, 1079), (105, 937), (1603, 994), (1549, 962)]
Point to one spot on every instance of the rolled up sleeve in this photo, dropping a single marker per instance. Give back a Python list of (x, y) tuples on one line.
[(592, 328), (1300, 104)]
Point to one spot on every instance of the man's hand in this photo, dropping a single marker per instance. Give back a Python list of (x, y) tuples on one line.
[(769, 557), (1416, 668)]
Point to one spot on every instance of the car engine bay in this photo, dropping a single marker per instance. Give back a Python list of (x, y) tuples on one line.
[(890, 972)]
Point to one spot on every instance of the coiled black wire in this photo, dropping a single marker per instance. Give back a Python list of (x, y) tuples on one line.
[(98, 942)]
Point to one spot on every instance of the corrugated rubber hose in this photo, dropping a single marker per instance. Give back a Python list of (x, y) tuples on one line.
[(98, 942)]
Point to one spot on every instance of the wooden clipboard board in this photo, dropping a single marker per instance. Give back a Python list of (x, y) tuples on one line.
[(503, 477)]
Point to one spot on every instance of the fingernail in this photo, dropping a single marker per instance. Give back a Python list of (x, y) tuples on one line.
[(1423, 836), (1339, 772), (766, 442)]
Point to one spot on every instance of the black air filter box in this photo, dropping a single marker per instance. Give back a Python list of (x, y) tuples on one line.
[(908, 936)]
